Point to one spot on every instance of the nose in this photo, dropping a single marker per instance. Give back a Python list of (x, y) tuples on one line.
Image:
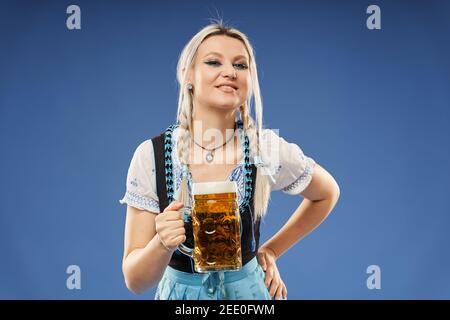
[(229, 71)]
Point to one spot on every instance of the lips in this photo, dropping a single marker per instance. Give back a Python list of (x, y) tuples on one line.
[(227, 87)]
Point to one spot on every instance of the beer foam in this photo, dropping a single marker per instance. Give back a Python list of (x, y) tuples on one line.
[(214, 187)]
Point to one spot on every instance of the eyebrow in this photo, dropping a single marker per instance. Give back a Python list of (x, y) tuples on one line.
[(220, 55)]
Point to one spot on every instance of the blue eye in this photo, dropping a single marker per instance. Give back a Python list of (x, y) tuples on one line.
[(241, 66), (212, 63)]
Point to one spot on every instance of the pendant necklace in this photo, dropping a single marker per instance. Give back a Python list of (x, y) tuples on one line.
[(210, 154)]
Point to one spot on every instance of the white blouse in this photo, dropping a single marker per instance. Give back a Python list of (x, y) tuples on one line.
[(288, 168)]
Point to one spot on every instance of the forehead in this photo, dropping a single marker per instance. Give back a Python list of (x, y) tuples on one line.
[(225, 45)]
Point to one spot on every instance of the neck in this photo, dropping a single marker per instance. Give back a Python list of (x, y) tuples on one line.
[(207, 124)]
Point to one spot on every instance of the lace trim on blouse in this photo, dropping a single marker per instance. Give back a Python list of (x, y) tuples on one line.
[(303, 181), (140, 202)]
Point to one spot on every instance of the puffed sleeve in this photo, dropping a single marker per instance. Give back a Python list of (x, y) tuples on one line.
[(141, 180), (289, 169)]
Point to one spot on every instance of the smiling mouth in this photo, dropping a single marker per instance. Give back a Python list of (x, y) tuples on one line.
[(226, 89)]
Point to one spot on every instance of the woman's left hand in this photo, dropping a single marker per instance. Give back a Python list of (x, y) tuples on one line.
[(267, 259)]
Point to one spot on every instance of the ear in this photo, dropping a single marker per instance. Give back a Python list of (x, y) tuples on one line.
[(190, 78)]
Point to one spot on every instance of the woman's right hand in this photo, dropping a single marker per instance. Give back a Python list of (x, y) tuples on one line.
[(170, 226)]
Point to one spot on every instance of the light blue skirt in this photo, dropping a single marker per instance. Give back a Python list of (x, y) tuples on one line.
[(245, 284)]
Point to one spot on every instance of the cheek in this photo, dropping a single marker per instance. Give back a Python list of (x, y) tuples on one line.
[(205, 77)]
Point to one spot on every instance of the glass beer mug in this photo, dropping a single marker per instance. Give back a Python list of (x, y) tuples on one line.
[(216, 227)]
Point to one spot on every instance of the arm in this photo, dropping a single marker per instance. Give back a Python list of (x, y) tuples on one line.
[(145, 258), (320, 197)]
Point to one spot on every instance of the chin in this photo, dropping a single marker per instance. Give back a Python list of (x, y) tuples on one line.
[(226, 106)]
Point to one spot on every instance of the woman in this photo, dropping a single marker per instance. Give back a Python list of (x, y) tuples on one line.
[(218, 82)]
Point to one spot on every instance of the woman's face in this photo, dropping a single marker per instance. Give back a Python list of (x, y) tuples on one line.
[(220, 75)]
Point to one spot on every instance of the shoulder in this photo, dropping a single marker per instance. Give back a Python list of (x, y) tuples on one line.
[(271, 140), (144, 151), (145, 146), (285, 162), (275, 149)]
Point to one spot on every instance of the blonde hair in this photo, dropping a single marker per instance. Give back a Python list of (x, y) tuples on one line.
[(252, 128)]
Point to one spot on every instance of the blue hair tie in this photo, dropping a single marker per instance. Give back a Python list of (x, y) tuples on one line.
[(258, 162), (185, 170)]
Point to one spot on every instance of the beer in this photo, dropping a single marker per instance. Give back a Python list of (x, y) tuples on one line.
[(216, 227)]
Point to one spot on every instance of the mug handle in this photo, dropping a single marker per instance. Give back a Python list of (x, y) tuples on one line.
[(182, 248)]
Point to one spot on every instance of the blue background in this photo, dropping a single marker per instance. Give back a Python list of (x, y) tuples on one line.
[(371, 106)]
